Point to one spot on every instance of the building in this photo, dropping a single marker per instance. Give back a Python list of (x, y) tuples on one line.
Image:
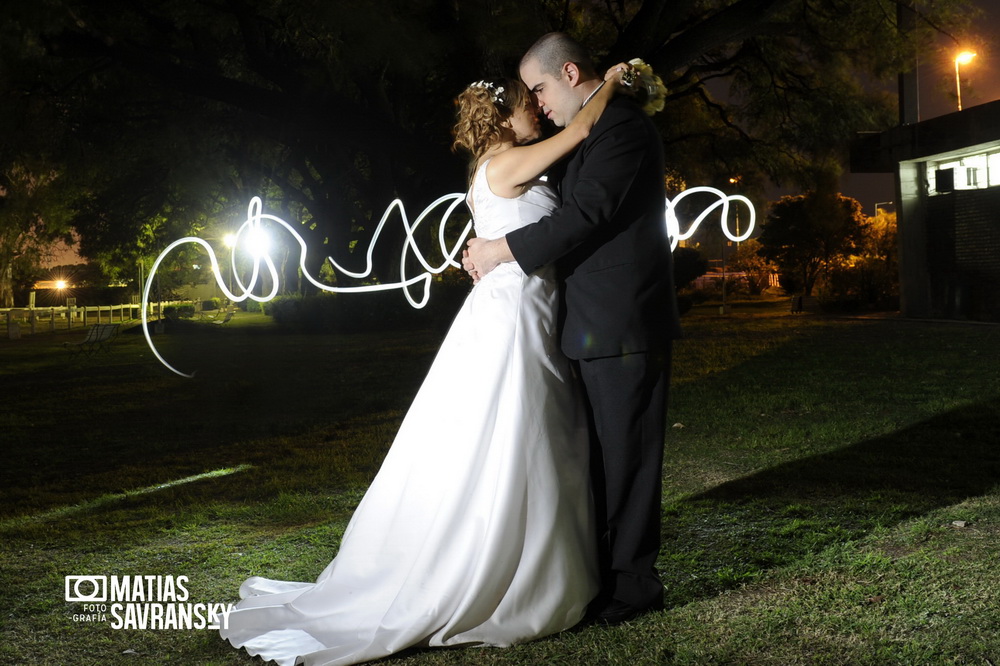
[(947, 173)]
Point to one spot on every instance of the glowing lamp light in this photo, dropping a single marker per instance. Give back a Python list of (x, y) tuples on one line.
[(60, 284), (256, 243), (963, 58)]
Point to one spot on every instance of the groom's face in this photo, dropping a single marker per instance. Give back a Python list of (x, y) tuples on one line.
[(554, 97)]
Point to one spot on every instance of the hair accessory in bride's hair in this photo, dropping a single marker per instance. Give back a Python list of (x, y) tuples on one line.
[(643, 79), (496, 92)]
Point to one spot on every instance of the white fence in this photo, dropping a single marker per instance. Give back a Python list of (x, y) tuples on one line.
[(36, 320)]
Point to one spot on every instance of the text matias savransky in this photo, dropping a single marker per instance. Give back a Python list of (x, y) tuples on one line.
[(142, 602)]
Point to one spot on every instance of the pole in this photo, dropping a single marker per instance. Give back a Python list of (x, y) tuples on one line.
[(958, 85)]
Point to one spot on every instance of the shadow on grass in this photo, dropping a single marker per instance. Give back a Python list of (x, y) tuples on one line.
[(733, 533)]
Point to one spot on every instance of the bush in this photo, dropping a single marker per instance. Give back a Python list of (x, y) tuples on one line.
[(867, 285), (689, 264), (185, 310), (211, 304)]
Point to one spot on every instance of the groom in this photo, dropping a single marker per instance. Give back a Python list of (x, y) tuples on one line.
[(618, 313)]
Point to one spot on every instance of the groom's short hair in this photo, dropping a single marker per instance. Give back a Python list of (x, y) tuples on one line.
[(555, 49)]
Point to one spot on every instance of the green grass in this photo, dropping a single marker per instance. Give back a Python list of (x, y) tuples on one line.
[(831, 486)]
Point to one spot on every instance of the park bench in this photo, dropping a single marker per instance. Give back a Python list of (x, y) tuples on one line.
[(99, 336), (217, 315), (225, 320)]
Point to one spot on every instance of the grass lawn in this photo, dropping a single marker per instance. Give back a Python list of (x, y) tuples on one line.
[(831, 486)]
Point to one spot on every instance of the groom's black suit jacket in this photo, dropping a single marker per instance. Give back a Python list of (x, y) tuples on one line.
[(609, 240)]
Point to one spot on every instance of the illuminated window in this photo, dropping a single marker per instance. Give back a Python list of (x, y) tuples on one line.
[(971, 172), (993, 169)]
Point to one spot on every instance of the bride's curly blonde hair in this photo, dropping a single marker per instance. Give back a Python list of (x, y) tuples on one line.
[(481, 109)]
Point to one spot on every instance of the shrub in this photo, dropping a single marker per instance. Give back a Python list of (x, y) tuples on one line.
[(867, 285), (178, 311), (689, 264)]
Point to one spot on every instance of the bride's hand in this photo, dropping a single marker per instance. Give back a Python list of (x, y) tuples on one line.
[(617, 72), (622, 74), (469, 267)]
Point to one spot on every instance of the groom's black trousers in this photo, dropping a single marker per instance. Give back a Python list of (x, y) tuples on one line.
[(627, 401)]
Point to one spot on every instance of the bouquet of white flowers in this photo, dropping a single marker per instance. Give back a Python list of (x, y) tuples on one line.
[(649, 86)]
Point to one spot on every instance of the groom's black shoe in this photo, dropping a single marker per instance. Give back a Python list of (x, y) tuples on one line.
[(617, 612)]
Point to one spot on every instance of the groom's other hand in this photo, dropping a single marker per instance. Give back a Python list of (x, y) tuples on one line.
[(485, 255)]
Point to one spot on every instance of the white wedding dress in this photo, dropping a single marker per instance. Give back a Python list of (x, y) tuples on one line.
[(478, 528)]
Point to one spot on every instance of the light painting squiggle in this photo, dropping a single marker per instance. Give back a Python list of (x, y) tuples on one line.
[(724, 202), (253, 237), (253, 231)]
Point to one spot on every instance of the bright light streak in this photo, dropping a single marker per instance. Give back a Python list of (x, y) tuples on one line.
[(724, 202), (60, 284), (252, 228), (256, 243)]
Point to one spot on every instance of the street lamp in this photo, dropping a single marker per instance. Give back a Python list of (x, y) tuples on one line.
[(882, 204), (963, 58), (735, 180)]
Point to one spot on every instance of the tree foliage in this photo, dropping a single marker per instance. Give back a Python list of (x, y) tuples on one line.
[(808, 234), (173, 113), (32, 217), (870, 277), (750, 260)]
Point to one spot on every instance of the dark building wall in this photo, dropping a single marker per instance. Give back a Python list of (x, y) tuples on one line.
[(963, 254)]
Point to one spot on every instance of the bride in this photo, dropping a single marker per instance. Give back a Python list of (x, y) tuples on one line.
[(478, 528)]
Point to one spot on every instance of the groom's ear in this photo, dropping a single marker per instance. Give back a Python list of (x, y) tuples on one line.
[(571, 72)]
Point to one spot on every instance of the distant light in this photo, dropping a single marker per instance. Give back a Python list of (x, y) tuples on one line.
[(257, 243), (61, 284), (229, 240), (965, 57)]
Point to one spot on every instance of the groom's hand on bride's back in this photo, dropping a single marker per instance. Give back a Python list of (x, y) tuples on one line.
[(484, 255)]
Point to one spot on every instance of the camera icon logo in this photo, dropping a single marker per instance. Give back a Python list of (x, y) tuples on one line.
[(86, 588)]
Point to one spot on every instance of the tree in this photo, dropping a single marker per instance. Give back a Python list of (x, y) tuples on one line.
[(808, 234), (176, 112), (32, 217), (750, 260), (869, 278)]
